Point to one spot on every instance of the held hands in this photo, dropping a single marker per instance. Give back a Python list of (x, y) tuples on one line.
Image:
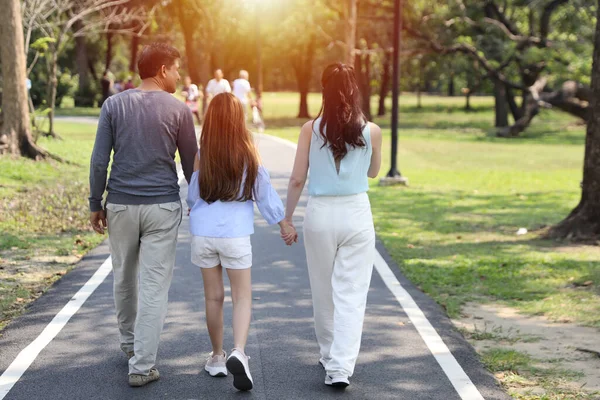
[(288, 232), (98, 221)]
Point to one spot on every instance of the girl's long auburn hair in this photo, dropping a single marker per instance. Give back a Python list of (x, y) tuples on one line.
[(228, 157), (342, 119)]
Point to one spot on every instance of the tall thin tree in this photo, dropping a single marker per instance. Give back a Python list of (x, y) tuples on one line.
[(16, 125)]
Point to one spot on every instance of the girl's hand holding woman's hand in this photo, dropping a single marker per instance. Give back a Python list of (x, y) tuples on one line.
[(288, 232)]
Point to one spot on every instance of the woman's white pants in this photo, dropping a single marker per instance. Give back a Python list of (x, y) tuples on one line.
[(339, 240)]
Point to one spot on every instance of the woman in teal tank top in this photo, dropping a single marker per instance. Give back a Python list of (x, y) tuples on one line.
[(341, 150)]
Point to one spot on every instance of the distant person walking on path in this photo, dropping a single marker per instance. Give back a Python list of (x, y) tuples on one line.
[(106, 84), (341, 149), (118, 86), (129, 84), (144, 127), (192, 95), (242, 89), (226, 181), (216, 86)]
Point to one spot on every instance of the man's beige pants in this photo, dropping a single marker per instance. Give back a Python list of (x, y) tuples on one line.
[(143, 240)]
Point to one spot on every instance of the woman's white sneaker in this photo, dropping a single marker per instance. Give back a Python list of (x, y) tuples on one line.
[(237, 364), (337, 381), (215, 365)]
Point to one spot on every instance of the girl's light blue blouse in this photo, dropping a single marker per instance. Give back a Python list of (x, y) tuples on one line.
[(232, 219)]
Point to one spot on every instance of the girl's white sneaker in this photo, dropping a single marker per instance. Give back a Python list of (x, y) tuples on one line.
[(237, 364), (215, 365)]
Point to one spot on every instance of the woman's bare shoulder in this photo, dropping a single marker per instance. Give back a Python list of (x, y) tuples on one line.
[(375, 129), (308, 125)]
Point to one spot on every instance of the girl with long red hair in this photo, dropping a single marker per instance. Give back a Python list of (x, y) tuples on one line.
[(227, 180)]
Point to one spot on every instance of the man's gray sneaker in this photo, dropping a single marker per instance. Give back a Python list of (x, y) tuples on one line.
[(136, 380)]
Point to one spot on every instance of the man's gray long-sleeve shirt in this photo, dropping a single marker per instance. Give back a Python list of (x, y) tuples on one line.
[(145, 129)]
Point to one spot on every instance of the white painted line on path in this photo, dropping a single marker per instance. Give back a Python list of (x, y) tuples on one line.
[(26, 357), (457, 376)]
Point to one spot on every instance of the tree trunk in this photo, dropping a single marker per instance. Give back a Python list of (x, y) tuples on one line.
[(385, 84), (367, 87), (420, 75), (109, 50), (303, 85), (52, 65), (14, 73), (584, 221), (191, 45), (82, 58), (303, 69), (203, 72), (362, 70), (351, 18), (303, 111), (92, 70), (135, 43), (500, 105), (524, 95), (82, 99), (515, 110), (451, 85)]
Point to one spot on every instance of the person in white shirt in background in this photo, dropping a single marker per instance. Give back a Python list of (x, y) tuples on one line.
[(257, 120), (242, 90), (216, 86), (191, 94)]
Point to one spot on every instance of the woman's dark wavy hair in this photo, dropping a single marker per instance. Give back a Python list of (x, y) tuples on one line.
[(342, 120)]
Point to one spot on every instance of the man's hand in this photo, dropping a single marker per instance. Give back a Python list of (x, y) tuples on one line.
[(98, 221)]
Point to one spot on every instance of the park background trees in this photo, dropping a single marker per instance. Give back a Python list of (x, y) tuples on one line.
[(530, 55), (527, 54)]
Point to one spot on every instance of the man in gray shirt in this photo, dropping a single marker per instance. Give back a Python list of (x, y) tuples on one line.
[(144, 127)]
